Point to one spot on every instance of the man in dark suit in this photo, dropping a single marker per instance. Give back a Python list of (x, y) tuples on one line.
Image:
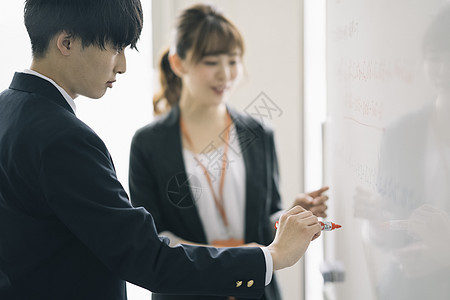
[(67, 229)]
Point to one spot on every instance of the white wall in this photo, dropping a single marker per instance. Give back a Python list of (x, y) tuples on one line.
[(15, 51)]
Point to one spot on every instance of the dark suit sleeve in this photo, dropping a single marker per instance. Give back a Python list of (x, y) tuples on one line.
[(81, 188)]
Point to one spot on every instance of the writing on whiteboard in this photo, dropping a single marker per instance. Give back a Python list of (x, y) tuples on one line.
[(376, 69), (347, 31)]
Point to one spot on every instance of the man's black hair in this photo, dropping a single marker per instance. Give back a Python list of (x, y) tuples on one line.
[(95, 22)]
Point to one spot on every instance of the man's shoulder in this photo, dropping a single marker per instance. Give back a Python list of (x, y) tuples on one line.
[(37, 117)]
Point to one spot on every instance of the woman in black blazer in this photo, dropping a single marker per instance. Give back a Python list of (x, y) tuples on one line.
[(207, 173)]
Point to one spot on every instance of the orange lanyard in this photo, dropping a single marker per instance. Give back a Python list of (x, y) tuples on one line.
[(218, 200)]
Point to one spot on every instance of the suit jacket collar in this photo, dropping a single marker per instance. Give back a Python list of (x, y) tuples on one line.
[(254, 150), (33, 84)]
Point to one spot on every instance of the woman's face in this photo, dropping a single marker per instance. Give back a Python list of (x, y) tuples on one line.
[(210, 80), (437, 69)]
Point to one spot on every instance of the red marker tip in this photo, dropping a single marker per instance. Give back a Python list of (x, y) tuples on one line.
[(326, 226)]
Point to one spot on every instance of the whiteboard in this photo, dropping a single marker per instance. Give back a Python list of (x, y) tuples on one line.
[(387, 148)]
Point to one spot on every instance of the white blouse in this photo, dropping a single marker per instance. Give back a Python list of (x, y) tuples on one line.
[(233, 190)]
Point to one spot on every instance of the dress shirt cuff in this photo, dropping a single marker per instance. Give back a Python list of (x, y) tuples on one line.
[(269, 264)]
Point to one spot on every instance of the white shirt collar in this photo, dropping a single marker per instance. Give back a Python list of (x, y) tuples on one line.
[(60, 89)]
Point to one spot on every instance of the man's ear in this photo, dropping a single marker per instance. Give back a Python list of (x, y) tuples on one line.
[(177, 64), (64, 42)]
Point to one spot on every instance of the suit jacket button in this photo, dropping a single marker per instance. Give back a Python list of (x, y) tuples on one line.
[(250, 283), (238, 283)]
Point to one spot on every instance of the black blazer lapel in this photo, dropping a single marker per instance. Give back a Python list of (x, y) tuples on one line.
[(252, 141), (173, 172)]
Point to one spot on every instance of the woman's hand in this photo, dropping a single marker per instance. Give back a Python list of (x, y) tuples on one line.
[(314, 202)]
